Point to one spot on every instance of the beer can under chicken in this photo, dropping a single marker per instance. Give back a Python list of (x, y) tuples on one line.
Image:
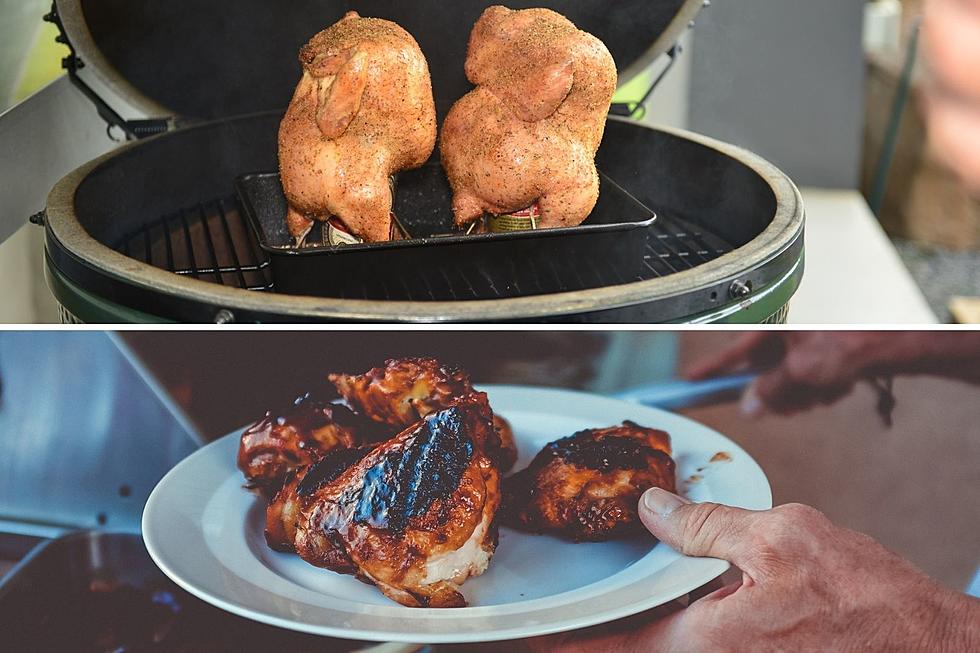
[(523, 220)]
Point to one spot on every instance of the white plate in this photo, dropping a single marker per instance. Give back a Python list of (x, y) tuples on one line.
[(206, 533)]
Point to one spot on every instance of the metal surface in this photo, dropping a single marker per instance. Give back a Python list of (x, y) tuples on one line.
[(101, 591), (42, 139), (674, 395), (209, 241), (86, 432), (762, 260)]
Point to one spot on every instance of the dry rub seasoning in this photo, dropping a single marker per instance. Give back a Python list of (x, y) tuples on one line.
[(523, 220)]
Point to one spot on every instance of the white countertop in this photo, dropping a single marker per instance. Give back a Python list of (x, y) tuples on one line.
[(853, 273)]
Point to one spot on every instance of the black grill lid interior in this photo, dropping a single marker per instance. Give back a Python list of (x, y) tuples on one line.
[(222, 58)]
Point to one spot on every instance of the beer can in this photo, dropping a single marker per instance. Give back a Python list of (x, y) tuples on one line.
[(523, 220)]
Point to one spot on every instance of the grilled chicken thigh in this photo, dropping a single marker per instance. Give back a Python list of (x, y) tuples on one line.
[(529, 132), (406, 389), (362, 111), (414, 515), (586, 486), (286, 440)]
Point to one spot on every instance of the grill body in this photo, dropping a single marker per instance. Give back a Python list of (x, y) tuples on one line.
[(152, 232)]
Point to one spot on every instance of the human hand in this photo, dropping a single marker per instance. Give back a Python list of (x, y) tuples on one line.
[(806, 585), (951, 41), (800, 369)]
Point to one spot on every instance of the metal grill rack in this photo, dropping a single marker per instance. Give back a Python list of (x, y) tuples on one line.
[(212, 242)]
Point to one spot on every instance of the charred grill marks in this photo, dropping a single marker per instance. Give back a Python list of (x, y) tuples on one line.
[(329, 468), (407, 482), (608, 453)]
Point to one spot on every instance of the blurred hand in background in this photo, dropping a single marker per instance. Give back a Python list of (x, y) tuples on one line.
[(800, 370), (951, 40)]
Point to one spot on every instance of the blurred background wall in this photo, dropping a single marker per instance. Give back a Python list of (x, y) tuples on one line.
[(783, 78)]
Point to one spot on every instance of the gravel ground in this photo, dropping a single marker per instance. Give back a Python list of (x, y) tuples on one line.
[(941, 273)]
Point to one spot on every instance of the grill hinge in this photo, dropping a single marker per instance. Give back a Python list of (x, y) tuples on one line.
[(637, 110), (133, 129)]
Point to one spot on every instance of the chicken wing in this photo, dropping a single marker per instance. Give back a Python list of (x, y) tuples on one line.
[(586, 486), (407, 389), (528, 134), (291, 438), (403, 390), (362, 111), (414, 515)]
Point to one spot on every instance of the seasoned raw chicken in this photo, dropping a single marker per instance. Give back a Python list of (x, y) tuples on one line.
[(286, 440), (530, 130), (414, 515), (586, 486), (406, 389), (362, 111)]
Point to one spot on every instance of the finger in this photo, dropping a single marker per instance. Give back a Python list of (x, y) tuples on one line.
[(706, 590), (779, 392), (735, 356), (704, 530), (719, 594), (681, 631), (613, 636), (951, 35)]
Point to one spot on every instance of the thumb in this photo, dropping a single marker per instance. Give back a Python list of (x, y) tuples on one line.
[(703, 530)]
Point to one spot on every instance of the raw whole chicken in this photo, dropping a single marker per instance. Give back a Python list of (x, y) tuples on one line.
[(362, 111), (586, 486), (414, 515), (528, 134)]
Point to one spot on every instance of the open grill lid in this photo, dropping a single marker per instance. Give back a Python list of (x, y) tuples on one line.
[(208, 60)]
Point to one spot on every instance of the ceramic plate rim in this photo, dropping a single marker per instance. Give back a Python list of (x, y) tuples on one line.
[(163, 502)]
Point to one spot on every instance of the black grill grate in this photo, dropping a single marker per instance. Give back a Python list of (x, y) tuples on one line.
[(212, 242)]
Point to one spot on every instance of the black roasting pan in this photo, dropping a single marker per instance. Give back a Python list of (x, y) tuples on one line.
[(504, 264)]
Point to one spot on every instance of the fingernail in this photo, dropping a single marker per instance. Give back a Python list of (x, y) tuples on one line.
[(751, 405), (662, 502)]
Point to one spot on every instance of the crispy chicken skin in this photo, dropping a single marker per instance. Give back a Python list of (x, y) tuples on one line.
[(291, 438), (414, 515), (362, 111), (530, 130), (403, 390), (407, 389), (508, 448), (586, 486), (288, 505)]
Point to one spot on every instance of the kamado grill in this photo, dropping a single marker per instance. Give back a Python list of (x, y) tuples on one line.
[(154, 231)]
